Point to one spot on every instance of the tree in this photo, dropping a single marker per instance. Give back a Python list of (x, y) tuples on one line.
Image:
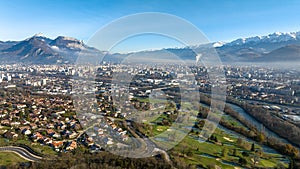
[(256, 158), (261, 137), (211, 166), (235, 152), (291, 150), (239, 142), (189, 153), (245, 154), (252, 147), (280, 166), (224, 152), (213, 138), (216, 139), (242, 161)]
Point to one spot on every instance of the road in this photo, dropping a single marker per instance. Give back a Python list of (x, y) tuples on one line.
[(22, 152), (150, 148)]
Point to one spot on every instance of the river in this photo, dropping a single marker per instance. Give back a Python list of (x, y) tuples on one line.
[(256, 123)]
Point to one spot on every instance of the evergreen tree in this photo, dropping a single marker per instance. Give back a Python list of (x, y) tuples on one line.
[(252, 147), (224, 152)]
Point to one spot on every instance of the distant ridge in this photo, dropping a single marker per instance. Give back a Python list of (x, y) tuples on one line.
[(38, 49)]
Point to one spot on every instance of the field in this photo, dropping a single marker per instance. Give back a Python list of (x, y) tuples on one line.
[(8, 158)]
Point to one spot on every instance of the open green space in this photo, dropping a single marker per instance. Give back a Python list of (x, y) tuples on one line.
[(42, 149), (225, 151), (222, 152), (8, 158)]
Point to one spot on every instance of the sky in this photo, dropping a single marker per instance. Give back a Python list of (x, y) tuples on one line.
[(219, 20)]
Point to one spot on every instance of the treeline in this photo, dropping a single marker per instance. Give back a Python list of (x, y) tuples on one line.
[(281, 127), (102, 160), (272, 122)]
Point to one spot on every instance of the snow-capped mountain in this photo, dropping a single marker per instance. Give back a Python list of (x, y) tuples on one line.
[(259, 48), (63, 42), (218, 44), (276, 47), (276, 37), (40, 49)]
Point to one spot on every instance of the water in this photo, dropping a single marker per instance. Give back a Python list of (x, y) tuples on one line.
[(237, 135), (256, 123)]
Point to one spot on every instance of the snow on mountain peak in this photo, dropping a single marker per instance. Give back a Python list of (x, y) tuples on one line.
[(39, 35), (68, 42), (218, 44), (67, 38), (271, 38), (278, 33)]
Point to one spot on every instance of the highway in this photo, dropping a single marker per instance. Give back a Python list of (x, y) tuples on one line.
[(150, 147), (22, 152)]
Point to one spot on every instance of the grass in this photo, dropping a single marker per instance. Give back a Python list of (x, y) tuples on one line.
[(42, 149), (190, 144), (267, 163), (8, 158), (159, 129), (190, 150), (233, 121)]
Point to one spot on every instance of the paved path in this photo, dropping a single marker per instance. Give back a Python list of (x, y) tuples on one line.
[(22, 152)]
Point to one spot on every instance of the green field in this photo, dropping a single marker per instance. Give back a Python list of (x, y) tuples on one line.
[(8, 158), (206, 153), (209, 153), (42, 149)]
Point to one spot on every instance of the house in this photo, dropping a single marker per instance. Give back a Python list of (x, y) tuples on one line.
[(90, 141), (15, 123), (73, 135), (3, 131), (50, 126), (5, 122), (57, 144), (50, 132), (71, 146), (38, 136), (26, 131), (33, 126), (11, 135), (56, 135)]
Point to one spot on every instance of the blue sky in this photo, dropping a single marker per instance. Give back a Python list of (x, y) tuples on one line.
[(219, 20)]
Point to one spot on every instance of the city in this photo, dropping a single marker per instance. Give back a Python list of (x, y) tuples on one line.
[(150, 84), (37, 105)]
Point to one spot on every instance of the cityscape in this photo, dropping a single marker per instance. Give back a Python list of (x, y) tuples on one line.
[(37, 108), (139, 85)]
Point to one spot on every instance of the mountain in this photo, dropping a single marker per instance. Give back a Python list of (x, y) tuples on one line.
[(276, 47), (290, 53), (268, 42), (68, 43), (259, 48), (42, 50), (8, 44), (34, 49)]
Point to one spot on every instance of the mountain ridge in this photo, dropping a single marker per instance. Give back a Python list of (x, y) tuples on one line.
[(39, 49)]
